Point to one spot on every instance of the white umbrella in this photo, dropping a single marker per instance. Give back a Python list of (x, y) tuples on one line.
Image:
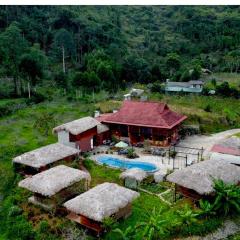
[(121, 144)]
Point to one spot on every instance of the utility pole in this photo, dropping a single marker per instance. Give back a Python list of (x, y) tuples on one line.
[(63, 54)]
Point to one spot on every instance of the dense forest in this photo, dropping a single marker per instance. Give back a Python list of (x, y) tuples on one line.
[(107, 47)]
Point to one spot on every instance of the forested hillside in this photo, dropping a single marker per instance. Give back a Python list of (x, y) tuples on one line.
[(106, 47)]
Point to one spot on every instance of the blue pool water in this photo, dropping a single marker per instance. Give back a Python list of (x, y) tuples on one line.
[(119, 163)]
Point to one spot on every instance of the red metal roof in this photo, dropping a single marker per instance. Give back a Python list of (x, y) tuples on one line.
[(148, 114), (226, 150)]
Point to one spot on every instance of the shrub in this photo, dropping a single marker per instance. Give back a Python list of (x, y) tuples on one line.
[(208, 108), (131, 153), (43, 226), (227, 199)]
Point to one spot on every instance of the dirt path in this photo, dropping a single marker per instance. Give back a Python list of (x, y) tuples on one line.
[(207, 142)]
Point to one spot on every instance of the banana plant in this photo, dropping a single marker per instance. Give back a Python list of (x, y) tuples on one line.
[(206, 208), (187, 215), (227, 197), (153, 227)]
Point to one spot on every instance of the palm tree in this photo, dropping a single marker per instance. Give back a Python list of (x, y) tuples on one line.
[(227, 197)]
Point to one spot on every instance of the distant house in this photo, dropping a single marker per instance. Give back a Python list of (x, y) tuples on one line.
[(54, 186), (193, 86), (91, 208), (196, 181), (83, 133), (43, 158), (139, 121), (134, 93)]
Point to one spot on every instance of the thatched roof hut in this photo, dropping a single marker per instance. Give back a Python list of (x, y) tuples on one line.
[(45, 155), (133, 177), (101, 201), (52, 181), (78, 126), (199, 177), (134, 173)]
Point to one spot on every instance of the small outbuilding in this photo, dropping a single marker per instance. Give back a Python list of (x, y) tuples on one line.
[(196, 181), (133, 177), (81, 133), (56, 185), (91, 208), (43, 158)]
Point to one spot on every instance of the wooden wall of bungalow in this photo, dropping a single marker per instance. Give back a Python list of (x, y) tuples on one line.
[(64, 195), (95, 225), (29, 171), (84, 140), (191, 194), (157, 136)]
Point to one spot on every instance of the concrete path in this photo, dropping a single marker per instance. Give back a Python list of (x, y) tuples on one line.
[(207, 142)]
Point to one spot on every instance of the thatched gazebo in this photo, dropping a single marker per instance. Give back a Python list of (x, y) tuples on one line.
[(103, 201), (43, 158), (196, 181), (56, 185), (133, 177)]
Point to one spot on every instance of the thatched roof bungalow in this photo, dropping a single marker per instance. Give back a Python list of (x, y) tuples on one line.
[(105, 200), (81, 133), (196, 180), (133, 177), (43, 158), (56, 185)]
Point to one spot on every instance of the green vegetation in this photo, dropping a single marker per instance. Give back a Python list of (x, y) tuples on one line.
[(109, 47), (60, 63)]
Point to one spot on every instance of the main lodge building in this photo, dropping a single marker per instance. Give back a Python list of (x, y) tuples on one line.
[(139, 121)]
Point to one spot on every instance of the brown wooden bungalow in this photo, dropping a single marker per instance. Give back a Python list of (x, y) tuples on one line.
[(196, 181), (54, 186), (105, 200), (139, 121), (44, 158)]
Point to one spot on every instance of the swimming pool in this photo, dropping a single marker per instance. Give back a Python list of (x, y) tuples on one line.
[(122, 163)]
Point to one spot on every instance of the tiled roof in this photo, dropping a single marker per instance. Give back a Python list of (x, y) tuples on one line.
[(148, 114)]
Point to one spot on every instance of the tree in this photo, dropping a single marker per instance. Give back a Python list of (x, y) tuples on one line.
[(173, 62), (32, 64), (12, 46), (63, 46)]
